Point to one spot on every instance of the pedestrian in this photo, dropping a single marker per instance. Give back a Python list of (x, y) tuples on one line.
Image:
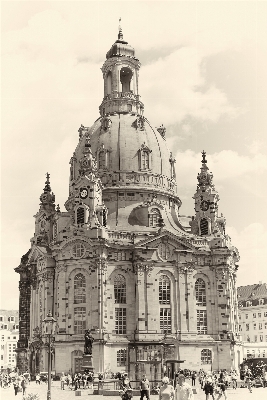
[(24, 384), (248, 377), (16, 386), (126, 388), (222, 386), (193, 378), (37, 378), (166, 391), (264, 374), (144, 388), (183, 390), (62, 381), (208, 387), (234, 379)]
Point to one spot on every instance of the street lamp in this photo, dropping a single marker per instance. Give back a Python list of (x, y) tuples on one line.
[(49, 325)]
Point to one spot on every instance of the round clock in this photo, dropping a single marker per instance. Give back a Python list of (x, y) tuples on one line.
[(204, 205), (83, 193)]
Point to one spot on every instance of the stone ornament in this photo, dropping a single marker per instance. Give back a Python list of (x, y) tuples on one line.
[(141, 268), (106, 124), (140, 123)]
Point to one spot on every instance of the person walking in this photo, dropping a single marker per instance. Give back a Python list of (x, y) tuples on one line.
[(208, 387), (16, 386), (37, 378), (264, 378), (166, 392), (193, 378), (62, 381), (144, 388), (126, 388), (24, 384), (234, 379), (248, 377), (183, 390), (222, 387)]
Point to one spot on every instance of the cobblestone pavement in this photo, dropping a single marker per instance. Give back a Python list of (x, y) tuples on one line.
[(67, 394)]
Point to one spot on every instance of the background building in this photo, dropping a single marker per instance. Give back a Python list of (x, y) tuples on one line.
[(9, 331), (252, 303), (153, 286)]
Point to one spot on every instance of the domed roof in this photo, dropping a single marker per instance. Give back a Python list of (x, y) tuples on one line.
[(129, 145)]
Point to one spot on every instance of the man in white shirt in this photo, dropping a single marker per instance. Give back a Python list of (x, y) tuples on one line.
[(183, 390)]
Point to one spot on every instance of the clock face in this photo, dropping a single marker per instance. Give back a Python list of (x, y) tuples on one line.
[(83, 193), (204, 205)]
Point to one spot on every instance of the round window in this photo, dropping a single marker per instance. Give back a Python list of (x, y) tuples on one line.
[(78, 250)]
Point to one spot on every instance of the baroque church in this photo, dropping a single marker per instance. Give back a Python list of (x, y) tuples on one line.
[(153, 287)]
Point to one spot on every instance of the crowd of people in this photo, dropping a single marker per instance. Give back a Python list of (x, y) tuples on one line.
[(19, 382), (212, 383)]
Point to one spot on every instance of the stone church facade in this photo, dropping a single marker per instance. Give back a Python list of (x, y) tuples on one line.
[(153, 287)]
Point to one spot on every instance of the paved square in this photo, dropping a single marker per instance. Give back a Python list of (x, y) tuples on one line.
[(67, 394)]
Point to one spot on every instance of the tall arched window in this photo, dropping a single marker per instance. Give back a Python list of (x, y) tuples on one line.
[(164, 290), (109, 82), (206, 356), (80, 215), (120, 289), (153, 217), (201, 306), (79, 289), (200, 288), (125, 78), (204, 227), (102, 159), (145, 160), (165, 316)]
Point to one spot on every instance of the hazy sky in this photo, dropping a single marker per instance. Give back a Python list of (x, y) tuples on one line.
[(203, 76)]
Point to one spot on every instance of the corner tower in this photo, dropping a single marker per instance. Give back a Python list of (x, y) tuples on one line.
[(206, 221)]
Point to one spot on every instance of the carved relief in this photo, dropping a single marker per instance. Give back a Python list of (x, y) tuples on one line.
[(140, 269), (106, 124), (139, 123), (187, 268)]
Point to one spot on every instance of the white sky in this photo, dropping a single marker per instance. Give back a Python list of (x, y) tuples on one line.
[(203, 76)]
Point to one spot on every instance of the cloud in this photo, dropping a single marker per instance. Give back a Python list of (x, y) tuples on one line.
[(251, 243), (225, 165), (181, 91)]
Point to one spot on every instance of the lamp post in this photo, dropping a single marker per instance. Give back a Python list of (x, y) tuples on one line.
[(50, 324)]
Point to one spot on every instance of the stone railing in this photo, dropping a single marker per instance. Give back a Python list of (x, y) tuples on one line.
[(138, 178)]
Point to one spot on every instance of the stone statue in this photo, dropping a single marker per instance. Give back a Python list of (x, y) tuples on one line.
[(88, 342)]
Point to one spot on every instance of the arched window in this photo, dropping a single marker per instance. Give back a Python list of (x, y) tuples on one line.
[(201, 306), (125, 78), (80, 215), (164, 290), (204, 227), (206, 356), (165, 315), (200, 288), (102, 159), (153, 217), (79, 289), (109, 83), (120, 289), (145, 160)]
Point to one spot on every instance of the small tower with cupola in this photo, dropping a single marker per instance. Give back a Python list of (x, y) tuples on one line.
[(44, 217), (206, 221), (120, 73)]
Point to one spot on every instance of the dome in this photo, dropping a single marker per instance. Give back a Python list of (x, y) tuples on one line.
[(129, 151)]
